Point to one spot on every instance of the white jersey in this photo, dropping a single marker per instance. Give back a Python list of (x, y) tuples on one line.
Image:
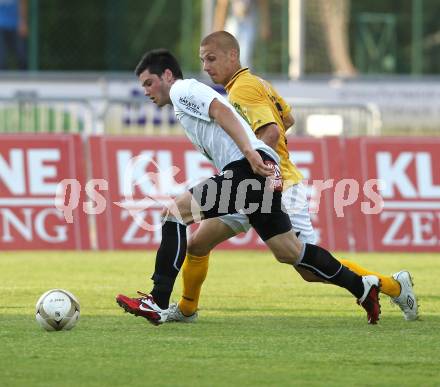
[(191, 100)]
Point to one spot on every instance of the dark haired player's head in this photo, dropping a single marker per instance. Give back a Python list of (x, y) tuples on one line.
[(157, 71), (157, 61)]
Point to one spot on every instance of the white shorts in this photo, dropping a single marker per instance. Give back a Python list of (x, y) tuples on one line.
[(297, 207)]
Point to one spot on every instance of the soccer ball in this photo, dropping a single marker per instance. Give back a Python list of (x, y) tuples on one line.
[(57, 310)]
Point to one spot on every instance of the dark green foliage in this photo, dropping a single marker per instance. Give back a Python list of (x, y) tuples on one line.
[(403, 11), (111, 35)]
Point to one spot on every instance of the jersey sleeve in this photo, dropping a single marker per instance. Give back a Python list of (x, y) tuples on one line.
[(250, 104), (192, 98), (282, 105), (259, 116)]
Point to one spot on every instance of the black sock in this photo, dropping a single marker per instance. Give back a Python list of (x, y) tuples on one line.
[(169, 259), (321, 263), (349, 280)]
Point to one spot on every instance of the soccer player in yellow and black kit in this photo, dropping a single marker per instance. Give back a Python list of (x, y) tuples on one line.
[(269, 116)]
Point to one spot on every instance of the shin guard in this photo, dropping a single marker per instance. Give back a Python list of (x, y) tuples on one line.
[(321, 263)]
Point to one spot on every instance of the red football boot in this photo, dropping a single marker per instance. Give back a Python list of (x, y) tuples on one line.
[(370, 299), (143, 306)]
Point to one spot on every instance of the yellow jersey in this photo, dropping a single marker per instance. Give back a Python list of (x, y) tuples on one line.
[(259, 104)]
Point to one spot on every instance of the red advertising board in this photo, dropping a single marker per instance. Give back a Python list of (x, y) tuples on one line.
[(410, 176), (31, 166), (152, 175), (337, 172), (138, 169), (340, 174), (319, 162)]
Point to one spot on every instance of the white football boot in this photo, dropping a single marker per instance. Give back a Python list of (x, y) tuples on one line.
[(407, 300), (176, 315)]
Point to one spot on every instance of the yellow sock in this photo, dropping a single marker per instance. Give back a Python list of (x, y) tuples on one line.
[(194, 272), (389, 285)]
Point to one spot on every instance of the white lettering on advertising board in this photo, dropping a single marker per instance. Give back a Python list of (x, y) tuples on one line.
[(411, 228), (411, 199), (154, 172), (31, 222), (395, 176), (40, 168)]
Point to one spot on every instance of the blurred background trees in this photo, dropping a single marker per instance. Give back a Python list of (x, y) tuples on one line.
[(386, 37)]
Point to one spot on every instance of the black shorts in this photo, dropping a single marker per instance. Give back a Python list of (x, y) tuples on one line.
[(238, 189)]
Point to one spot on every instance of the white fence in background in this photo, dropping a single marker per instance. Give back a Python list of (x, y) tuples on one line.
[(31, 114), (140, 116), (321, 118)]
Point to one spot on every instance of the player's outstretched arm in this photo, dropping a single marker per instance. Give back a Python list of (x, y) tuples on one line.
[(232, 126)]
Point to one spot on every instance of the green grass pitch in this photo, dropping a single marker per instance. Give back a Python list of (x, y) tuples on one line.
[(259, 324)]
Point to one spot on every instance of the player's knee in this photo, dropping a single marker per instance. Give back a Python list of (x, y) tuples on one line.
[(285, 248), (197, 247), (182, 209)]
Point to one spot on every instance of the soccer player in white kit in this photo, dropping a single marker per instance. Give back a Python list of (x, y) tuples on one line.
[(249, 182)]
